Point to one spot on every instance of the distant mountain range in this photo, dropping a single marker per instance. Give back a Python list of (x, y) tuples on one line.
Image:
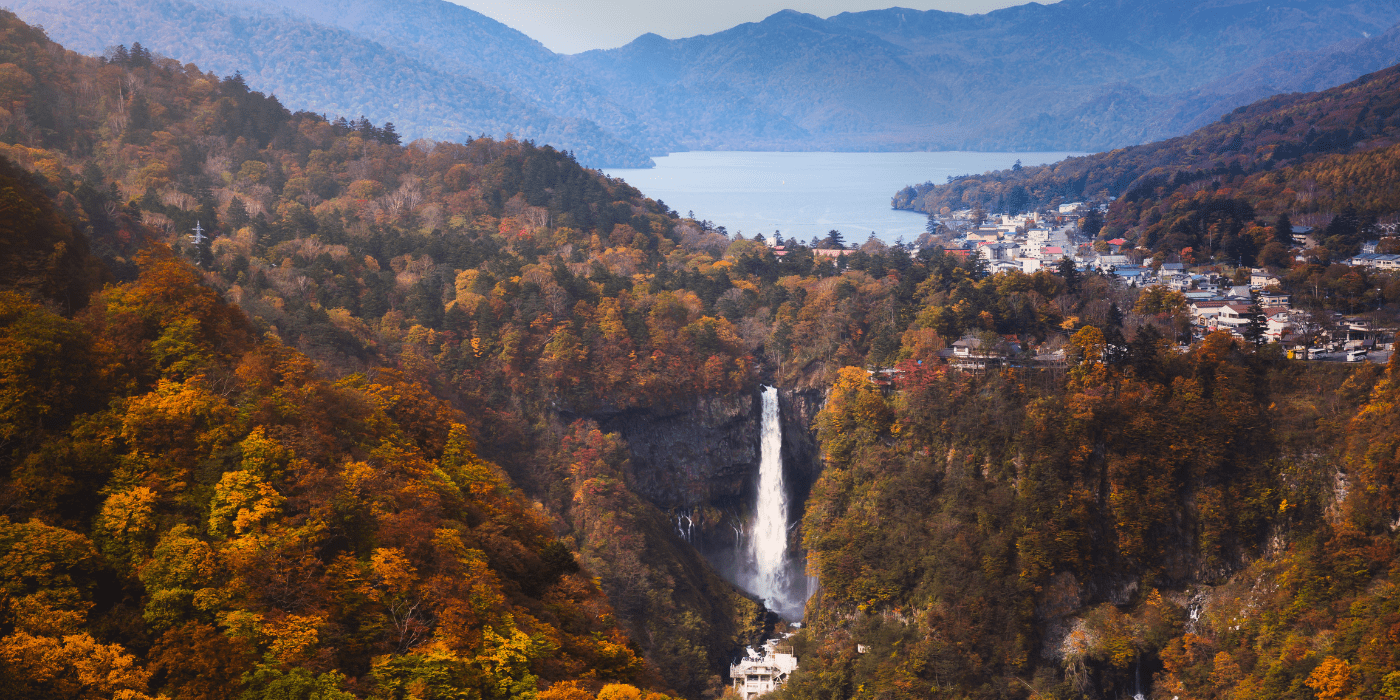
[(448, 73), (1075, 75)]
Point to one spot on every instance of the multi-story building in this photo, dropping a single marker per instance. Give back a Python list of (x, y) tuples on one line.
[(758, 675)]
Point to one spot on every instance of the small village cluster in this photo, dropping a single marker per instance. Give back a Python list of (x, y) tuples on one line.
[(1033, 242)]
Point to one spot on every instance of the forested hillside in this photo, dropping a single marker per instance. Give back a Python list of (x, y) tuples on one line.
[(349, 443), (1213, 524), (191, 509)]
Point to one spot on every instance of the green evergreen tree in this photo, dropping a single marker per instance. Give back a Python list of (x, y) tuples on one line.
[(237, 215), (1070, 273), (1254, 329), (1283, 229)]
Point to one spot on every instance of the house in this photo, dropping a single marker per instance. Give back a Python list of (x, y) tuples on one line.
[(998, 251), (1379, 261), (969, 354), (1259, 279), (967, 347), (1205, 311), (1233, 317), (1132, 274), (1104, 262), (1274, 299), (1041, 237), (1278, 322), (1172, 269), (834, 253), (1029, 265)]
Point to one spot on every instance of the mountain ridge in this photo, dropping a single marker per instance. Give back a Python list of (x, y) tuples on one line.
[(324, 69), (1075, 75), (899, 79)]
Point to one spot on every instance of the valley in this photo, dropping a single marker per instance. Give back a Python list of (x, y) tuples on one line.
[(464, 417)]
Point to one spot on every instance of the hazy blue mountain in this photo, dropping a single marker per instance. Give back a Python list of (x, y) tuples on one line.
[(1125, 114), (329, 69), (466, 42), (1078, 74), (1074, 75)]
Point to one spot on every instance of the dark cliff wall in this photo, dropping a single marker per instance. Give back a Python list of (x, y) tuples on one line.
[(802, 462), (701, 462), (700, 456), (700, 465)]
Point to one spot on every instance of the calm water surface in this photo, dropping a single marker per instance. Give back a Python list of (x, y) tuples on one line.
[(808, 194)]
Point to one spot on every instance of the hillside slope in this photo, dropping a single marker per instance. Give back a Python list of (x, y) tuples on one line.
[(191, 511), (1320, 153), (458, 40)]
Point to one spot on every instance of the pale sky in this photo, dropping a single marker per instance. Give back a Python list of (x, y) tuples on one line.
[(571, 26)]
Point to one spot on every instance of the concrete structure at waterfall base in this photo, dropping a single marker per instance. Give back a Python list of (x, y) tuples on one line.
[(757, 675)]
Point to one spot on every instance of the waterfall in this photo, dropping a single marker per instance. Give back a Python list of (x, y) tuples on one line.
[(769, 539)]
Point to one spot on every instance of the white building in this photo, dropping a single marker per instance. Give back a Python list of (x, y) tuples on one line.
[(1259, 279), (999, 251), (1104, 262), (1042, 237), (762, 674), (1380, 261)]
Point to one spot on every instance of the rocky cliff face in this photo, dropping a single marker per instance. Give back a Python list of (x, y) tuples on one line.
[(699, 464), (802, 461), (696, 456)]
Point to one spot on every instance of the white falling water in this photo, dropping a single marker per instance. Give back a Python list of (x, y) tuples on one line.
[(769, 539)]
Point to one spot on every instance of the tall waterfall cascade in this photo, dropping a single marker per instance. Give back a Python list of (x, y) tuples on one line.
[(770, 537), (773, 572)]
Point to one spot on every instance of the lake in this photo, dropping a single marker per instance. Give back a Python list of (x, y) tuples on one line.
[(808, 194)]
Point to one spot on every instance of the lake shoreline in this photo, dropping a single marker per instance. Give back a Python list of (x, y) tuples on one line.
[(805, 194)]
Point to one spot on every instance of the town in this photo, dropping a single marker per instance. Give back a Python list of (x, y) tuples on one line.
[(1251, 303)]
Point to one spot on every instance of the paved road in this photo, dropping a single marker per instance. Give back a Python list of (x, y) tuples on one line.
[(1379, 357)]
